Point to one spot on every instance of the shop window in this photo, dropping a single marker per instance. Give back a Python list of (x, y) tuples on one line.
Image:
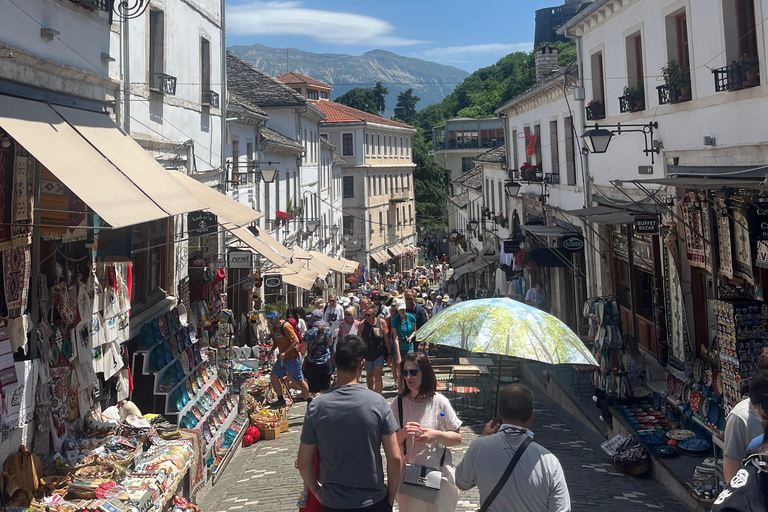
[(570, 151), (554, 150), (349, 187), (150, 262)]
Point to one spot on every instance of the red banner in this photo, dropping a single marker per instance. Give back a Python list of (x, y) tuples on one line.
[(530, 143)]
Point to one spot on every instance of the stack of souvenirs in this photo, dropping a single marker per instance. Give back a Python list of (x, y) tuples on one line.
[(605, 332)]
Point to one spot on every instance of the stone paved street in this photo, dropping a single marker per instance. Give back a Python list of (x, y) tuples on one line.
[(262, 477)]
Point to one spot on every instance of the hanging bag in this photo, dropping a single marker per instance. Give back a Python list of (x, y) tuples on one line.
[(420, 476)]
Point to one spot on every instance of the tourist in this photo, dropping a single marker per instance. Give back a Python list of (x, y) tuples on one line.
[(349, 425), (425, 418), (742, 426), (404, 332), (439, 305), (349, 325), (536, 296), (289, 358), (415, 309), (317, 363), (333, 314), (748, 487), (375, 334), (364, 303), (537, 483)]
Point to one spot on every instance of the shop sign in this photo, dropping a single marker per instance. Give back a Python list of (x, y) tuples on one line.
[(647, 225), (573, 242), (240, 259), (512, 245), (202, 223), (273, 281), (759, 217)]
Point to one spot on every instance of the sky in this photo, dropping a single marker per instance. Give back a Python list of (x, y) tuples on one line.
[(463, 33)]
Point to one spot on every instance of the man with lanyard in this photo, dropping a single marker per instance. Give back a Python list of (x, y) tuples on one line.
[(288, 360), (375, 334), (415, 309), (333, 314), (536, 482)]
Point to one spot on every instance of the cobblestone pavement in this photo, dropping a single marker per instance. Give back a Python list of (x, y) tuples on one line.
[(262, 477)]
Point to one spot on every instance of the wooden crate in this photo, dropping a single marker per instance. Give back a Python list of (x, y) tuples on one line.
[(268, 434), (283, 425)]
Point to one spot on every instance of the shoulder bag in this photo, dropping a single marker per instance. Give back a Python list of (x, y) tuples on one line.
[(507, 472), (420, 476)]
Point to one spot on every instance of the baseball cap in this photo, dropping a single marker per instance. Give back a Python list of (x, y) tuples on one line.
[(400, 304), (439, 297), (345, 301), (376, 295), (274, 314)]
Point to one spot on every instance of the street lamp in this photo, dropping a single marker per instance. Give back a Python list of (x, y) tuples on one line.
[(597, 139), (311, 226), (269, 175), (472, 225), (513, 188), (334, 230)]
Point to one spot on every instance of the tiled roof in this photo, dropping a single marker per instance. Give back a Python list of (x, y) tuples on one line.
[(271, 136), (325, 143), (257, 87), (337, 160), (495, 155), (471, 179), (464, 177), (297, 78), (461, 200), (236, 99), (338, 113)]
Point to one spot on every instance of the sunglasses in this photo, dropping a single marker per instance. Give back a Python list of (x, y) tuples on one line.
[(411, 373), (368, 315), (349, 314)]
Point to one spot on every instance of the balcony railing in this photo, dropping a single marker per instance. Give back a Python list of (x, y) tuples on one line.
[(735, 76), (211, 99), (164, 84), (103, 5), (674, 94), (595, 111), (632, 102), (469, 144), (397, 196)]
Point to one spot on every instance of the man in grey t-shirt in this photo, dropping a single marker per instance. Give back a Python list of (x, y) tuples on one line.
[(537, 483), (348, 425)]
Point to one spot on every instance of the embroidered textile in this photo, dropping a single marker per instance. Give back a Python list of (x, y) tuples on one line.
[(7, 368), (726, 254), (693, 229), (59, 388), (16, 268), (23, 181), (6, 193), (742, 253)]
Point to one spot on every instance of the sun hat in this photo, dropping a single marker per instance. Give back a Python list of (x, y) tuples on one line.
[(315, 319), (419, 300), (345, 302), (400, 304)]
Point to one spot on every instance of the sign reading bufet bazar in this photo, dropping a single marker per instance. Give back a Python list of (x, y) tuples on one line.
[(647, 225), (202, 223)]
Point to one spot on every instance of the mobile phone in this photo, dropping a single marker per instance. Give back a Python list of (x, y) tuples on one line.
[(497, 420)]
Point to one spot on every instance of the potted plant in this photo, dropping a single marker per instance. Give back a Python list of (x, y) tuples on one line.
[(635, 98), (595, 110), (529, 172), (750, 67), (684, 86)]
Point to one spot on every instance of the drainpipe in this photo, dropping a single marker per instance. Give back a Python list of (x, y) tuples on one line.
[(126, 65), (223, 113)]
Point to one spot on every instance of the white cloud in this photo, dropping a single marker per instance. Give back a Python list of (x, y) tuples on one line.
[(291, 18), (462, 53)]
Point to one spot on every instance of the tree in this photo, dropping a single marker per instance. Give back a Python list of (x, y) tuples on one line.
[(405, 110), (360, 98), (430, 184), (379, 92)]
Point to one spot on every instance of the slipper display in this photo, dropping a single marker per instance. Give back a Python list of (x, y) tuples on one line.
[(146, 336), (174, 347), (156, 331), (161, 323), (170, 323)]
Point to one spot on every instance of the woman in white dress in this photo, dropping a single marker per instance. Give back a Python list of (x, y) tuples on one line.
[(428, 426)]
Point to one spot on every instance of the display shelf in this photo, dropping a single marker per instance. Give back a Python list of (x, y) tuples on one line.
[(161, 372), (213, 407), (231, 450), (223, 428), (193, 400), (146, 368), (186, 376)]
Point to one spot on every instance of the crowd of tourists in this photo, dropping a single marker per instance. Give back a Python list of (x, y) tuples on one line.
[(322, 351)]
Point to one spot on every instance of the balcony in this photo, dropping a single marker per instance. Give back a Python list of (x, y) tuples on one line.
[(633, 101), (673, 94), (164, 84), (398, 196), (595, 110), (738, 75), (210, 99), (95, 5), (469, 144)]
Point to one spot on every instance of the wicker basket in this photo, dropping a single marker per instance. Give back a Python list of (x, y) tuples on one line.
[(633, 467)]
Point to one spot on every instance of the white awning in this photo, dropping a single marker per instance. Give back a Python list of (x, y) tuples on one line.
[(232, 214), (380, 257), (84, 171), (259, 245), (331, 263), (471, 267)]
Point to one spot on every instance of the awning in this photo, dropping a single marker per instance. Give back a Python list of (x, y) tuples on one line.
[(460, 259), (610, 219), (545, 231), (593, 210), (349, 266), (136, 163), (380, 257), (301, 254), (90, 176), (331, 263), (231, 213), (725, 171), (471, 267), (401, 248), (259, 245), (296, 274), (272, 242), (705, 183), (551, 257)]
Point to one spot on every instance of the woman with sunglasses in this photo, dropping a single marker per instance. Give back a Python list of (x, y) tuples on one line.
[(428, 426), (350, 325)]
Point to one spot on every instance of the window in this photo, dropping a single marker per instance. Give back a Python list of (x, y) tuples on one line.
[(513, 142), (305, 143), (634, 45), (681, 33), (491, 185), (249, 161), (347, 145), (408, 145), (149, 243), (386, 184), (277, 191), (554, 150), (391, 149), (570, 151), (501, 198), (401, 146), (267, 206), (537, 148), (311, 94), (381, 222), (324, 95), (466, 164), (598, 82), (410, 214), (386, 148), (367, 144), (349, 187), (378, 144), (381, 190), (348, 222), (205, 64), (156, 44), (407, 182)]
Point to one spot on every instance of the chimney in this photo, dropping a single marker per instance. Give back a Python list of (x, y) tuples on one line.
[(546, 61)]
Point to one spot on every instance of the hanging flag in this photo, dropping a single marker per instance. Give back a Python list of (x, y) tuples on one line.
[(530, 143)]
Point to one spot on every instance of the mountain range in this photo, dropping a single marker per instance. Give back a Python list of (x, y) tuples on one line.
[(430, 81)]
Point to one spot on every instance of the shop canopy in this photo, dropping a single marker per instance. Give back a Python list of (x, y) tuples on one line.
[(260, 245), (401, 248), (272, 242), (82, 169), (470, 268), (231, 213), (349, 266), (331, 263), (295, 274), (136, 163), (705, 182), (380, 257), (545, 231), (301, 254), (551, 257), (460, 259)]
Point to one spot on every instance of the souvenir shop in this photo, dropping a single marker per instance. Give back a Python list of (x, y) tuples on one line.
[(114, 393), (688, 283)]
